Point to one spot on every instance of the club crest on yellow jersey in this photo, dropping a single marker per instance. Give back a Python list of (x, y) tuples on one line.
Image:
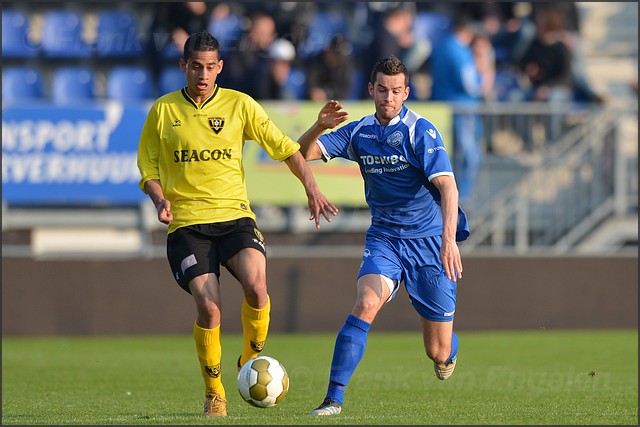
[(216, 124)]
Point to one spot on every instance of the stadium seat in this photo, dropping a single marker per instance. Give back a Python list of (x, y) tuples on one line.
[(62, 35), (16, 42), (117, 35), (21, 83), (129, 83), (170, 51), (171, 79), (72, 85), (323, 27)]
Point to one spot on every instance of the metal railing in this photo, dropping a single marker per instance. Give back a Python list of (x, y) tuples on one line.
[(572, 186)]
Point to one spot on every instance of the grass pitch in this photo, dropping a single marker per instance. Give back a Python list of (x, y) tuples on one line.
[(511, 377)]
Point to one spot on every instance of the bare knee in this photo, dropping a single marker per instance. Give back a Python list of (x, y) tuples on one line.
[(367, 308), (255, 293), (209, 314), (438, 354)]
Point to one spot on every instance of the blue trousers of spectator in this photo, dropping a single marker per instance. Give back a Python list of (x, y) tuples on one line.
[(467, 153)]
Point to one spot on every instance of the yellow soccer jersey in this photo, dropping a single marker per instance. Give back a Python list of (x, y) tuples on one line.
[(196, 153)]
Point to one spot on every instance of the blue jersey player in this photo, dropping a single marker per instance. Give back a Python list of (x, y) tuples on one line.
[(415, 221)]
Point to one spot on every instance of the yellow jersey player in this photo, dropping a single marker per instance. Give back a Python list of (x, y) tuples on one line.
[(190, 161)]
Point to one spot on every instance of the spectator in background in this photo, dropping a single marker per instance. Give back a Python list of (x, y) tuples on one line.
[(249, 57), (225, 23), (547, 61), (275, 83), (292, 18), (457, 79), (507, 25), (174, 22), (396, 37), (569, 34), (330, 74), (484, 57), (548, 66)]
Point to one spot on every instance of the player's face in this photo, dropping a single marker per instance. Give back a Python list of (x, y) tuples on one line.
[(389, 93), (201, 69)]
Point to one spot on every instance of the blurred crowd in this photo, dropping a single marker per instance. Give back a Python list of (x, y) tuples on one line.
[(506, 51), (522, 51)]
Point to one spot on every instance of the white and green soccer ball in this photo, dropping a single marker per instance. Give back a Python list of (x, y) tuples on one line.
[(263, 382)]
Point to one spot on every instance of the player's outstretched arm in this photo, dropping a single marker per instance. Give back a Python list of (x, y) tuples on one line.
[(330, 116), (317, 202)]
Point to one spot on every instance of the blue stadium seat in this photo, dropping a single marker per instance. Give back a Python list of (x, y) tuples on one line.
[(73, 85), (323, 26), (62, 35), (117, 35), (21, 83), (129, 83), (170, 51), (171, 79), (16, 42)]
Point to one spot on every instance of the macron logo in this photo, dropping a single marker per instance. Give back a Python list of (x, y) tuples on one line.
[(432, 133), (368, 136)]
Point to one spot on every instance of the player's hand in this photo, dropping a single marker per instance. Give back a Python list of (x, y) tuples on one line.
[(331, 115), (164, 211), (451, 260), (320, 205)]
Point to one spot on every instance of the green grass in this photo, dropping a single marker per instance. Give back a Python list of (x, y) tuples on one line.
[(512, 377)]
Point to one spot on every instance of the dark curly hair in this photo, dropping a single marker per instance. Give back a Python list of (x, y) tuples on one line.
[(390, 66), (202, 41)]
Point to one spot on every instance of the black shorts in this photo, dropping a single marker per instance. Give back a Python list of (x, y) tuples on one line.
[(199, 249)]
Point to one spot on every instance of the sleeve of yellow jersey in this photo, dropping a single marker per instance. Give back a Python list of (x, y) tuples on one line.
[(261, 129), (148, 149)]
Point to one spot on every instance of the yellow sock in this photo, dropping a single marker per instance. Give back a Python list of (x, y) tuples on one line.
[(255, 325), (209, 354)]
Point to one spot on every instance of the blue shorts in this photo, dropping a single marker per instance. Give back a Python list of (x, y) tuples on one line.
[(416, 263)]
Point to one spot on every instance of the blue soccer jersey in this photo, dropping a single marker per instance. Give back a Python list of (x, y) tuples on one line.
[(397, 162)]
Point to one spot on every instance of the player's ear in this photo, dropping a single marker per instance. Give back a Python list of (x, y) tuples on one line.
[(370, 86), (183, 65), (406, 93)]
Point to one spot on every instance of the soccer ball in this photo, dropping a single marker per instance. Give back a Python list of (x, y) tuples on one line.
[(263, 382)]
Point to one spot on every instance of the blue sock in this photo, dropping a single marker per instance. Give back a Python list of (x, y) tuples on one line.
[(454, 347), (347, 353)]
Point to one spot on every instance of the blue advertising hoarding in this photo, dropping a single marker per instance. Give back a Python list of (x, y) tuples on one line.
[(73, 155)]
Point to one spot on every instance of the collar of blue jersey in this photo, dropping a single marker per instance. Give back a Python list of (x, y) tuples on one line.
[(396, 119)]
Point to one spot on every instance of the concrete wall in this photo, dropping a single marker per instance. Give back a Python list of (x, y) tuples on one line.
[(140, 297)]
